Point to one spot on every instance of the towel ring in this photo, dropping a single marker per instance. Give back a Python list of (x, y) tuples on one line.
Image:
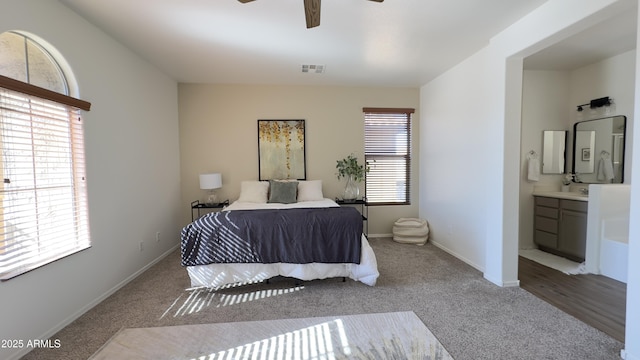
[(532, 155)]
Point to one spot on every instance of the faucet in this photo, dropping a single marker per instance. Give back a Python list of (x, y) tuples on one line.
[(584, 191)]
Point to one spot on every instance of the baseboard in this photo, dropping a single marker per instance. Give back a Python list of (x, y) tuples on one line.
[(458, 256), (93, 303), (498, 282), (465, 260), (380, 235), (515, 283)]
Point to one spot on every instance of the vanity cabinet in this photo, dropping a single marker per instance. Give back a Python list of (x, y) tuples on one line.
[(560, 227)]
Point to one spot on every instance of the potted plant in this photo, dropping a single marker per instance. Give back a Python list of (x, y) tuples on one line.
[(350, 169)]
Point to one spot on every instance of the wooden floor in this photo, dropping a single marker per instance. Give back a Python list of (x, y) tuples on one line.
[(594, 299)]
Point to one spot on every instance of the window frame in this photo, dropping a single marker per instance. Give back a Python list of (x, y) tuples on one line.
[(32, 90), (371, 157), (66, 110)]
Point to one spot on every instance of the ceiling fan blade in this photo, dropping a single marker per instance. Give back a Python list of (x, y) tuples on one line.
[(246, 1), (312, 13)]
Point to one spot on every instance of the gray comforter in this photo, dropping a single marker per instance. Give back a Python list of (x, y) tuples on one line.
[(299, 236)]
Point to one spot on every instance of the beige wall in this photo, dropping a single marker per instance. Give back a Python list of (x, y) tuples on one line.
[(218, 133)]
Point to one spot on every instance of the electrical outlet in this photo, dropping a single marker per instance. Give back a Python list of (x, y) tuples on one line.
[(158, 236), (141, 245)]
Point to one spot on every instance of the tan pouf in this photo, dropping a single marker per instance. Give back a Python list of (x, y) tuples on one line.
[(411, 231)]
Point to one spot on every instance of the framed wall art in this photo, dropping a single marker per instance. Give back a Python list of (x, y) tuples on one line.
[(281, 150)]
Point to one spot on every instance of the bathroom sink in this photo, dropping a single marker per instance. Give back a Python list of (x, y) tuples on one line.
[(563, 195)]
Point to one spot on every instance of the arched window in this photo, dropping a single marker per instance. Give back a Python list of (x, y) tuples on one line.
[(23, 59), (43, 212)]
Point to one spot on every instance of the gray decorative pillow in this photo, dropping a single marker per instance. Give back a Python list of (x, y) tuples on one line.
[(284, 192)]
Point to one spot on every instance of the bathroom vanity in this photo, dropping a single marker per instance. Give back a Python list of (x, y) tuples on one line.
[(560, 224), (560, 218)]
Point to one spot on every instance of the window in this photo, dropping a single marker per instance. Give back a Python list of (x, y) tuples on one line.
[(387, 153), (43, 213), (23, 59)]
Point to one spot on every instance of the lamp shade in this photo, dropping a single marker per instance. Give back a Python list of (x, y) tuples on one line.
[(210, 181)]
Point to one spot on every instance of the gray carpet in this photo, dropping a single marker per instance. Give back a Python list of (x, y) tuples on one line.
[(472, 318)]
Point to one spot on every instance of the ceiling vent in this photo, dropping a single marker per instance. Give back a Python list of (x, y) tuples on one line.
[(316, 69)]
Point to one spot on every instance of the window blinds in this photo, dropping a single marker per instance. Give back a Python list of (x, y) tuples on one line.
[(43, 216), (388, 155)]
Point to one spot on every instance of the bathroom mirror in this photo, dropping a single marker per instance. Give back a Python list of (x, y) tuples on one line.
[(554, 144), (598, 150)]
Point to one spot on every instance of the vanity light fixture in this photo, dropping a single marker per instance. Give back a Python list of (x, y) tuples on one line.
[(596, 103)]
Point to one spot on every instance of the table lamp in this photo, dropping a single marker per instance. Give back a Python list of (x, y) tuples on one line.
[(211, 182)]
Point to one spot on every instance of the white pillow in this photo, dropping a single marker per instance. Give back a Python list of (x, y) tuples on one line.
[(310, 190), (254, 191)]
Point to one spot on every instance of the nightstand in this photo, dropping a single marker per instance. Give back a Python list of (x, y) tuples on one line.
[(363, 206), (197, 205)]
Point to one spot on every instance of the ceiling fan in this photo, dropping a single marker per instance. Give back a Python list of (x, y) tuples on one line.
[(311, 11)]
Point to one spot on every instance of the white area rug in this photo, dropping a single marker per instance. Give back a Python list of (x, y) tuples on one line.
[(398, 335), (555, 262)]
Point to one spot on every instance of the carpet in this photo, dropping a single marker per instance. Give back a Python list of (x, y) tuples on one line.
[(397, 335), (555, 262)]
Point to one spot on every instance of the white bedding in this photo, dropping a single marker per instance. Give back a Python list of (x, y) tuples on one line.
[(219, 275), (236, 205)]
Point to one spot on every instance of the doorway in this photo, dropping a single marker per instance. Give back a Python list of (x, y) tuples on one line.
[(596, 300)]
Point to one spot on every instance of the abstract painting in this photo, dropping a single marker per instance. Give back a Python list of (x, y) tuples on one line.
[(281, 149)]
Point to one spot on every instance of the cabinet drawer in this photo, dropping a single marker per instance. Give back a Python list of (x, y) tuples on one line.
[(546, 224), (546, 201), (575, 205), (545, 239), (547, 212)]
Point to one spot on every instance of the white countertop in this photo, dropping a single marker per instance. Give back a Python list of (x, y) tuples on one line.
[(562, 195)]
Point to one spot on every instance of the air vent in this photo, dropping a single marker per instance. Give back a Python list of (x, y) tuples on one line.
[(315, 69)]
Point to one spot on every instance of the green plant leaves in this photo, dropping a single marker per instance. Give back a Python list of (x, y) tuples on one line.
[(349, 167)]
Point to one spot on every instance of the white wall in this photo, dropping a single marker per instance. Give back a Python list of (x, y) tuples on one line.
[(496, 70), (453, 148), (132, 156)]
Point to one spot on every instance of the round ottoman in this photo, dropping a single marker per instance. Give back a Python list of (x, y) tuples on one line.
[(411, 231)]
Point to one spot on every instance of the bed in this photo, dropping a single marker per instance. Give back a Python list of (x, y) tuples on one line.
[(268, 232)]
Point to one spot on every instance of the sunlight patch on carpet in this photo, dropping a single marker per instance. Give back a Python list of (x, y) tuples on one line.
[(195, 300), (398, 335)]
